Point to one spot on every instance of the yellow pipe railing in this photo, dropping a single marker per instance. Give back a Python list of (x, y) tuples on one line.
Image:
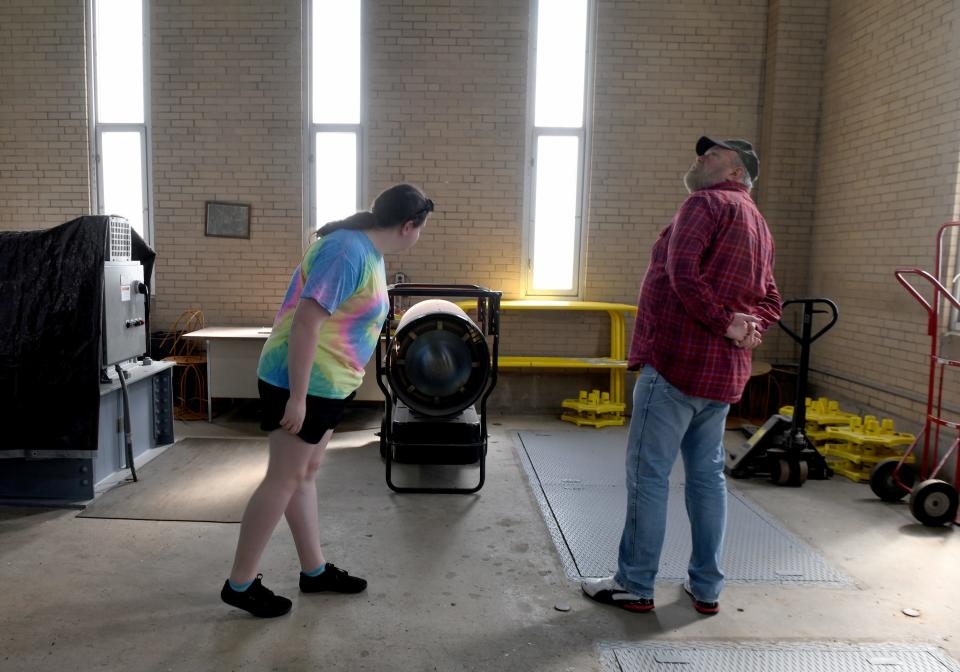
[(617, 360)]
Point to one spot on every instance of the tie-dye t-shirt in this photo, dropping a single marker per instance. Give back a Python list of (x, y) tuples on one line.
[(344, 273)]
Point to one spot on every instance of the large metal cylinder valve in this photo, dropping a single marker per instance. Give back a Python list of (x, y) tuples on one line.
[(440, 361)]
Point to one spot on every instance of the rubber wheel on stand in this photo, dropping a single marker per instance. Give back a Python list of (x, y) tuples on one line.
[(803, 471), (780, 471), (934, 502), (883, 484), (789, 472)]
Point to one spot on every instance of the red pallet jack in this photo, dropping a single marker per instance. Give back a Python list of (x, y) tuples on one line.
[(933, 501)]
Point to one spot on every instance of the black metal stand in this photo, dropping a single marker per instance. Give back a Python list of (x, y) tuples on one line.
[(461, 439)]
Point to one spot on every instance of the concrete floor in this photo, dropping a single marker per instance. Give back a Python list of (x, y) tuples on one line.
[(456, 582)]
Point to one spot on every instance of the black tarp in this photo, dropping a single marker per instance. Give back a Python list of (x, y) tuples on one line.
[(51, 297)]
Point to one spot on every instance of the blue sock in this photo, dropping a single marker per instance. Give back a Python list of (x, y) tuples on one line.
[(318, 571), (239, 587)]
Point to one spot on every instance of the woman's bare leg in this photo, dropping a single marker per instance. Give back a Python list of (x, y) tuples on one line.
[(301, 512), (289, 459)]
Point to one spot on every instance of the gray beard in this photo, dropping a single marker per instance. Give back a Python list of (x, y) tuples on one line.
[(695, 180), (692, 181)]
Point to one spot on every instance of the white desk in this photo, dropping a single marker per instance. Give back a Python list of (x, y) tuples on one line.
[(232, 357)]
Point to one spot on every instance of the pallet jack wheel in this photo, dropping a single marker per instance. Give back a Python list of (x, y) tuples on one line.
[(934, 502), (789, 472), (780, 471), (882, 483)]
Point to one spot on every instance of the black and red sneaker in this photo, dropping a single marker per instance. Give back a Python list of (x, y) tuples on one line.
[(705, 608), (609, 591)]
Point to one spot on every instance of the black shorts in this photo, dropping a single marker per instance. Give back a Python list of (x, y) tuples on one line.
[(322, 413)]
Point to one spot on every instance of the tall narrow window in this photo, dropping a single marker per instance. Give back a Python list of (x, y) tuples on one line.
[(119, 104), (335, 111), (557, 146)]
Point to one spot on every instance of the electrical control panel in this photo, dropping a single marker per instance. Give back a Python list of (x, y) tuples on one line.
[(124, 312)]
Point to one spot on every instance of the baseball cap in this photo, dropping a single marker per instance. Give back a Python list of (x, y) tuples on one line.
[(743, 148)]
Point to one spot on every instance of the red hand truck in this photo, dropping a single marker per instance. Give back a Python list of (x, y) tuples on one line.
[(933, 501)]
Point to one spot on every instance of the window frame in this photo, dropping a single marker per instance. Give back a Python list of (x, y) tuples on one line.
[(583, 133), (98, 128)]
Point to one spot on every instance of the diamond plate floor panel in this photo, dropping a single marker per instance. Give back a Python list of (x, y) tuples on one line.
[(754, 657), (583, 458), (578, 481)]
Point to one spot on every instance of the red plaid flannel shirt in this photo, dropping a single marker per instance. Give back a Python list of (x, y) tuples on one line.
[(715, 259)]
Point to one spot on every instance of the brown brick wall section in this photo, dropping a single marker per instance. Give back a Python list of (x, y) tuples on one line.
[(44, 174)]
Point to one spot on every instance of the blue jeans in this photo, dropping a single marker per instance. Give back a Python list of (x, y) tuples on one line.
[(666, 421)]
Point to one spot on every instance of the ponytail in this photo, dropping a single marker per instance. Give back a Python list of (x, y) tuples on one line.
[(358, 221)]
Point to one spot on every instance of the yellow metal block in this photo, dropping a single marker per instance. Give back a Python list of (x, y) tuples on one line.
[(876, 459), (852, 472), (871, 432), (847, 452), (822, 411), (833, 449), (605, 420), (818, 436), (593, 402), (861, 454)]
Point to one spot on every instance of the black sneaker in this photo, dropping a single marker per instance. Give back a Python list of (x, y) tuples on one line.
[(332, 580), (256, 599), (705, 608), (609, 591)]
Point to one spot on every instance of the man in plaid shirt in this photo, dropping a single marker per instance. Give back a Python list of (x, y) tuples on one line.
[(706, 299)]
